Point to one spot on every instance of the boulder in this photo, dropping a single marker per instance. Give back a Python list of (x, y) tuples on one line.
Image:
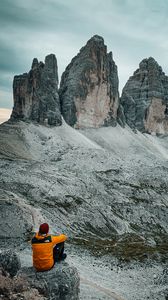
[(89, 87), (10, 262), (16, 288), (36, 93), (61, 282)]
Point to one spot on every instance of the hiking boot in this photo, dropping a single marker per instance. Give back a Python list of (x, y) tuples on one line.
[(64, 255)]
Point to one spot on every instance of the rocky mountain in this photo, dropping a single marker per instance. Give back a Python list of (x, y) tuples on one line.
[(89, 87), (88, 95), (36, 93), (105, 188), (145, 98)]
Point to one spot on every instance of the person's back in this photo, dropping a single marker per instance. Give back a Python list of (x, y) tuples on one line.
[(44, 252)]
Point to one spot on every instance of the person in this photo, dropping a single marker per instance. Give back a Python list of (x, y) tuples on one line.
[(47, 249)]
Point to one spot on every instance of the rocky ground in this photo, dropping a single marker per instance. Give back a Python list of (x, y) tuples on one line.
[(105, 277), (106, 188), (21, 282)]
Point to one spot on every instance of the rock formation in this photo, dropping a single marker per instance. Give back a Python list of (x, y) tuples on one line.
[(12, 286), (16, 288), (36, 93), (16, 220), (61, 282), (10, 262), (89, 87), (145, 98)]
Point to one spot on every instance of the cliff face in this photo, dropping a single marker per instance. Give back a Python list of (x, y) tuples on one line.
[(36, 93), (145, 98), (88, 91), (89, 87)]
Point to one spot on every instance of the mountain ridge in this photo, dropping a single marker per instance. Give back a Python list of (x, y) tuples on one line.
[(88, 96)]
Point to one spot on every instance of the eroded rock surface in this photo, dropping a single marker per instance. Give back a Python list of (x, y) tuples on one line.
[(145, 98), (107, 187), (16, 220), (107, 190), (10, 262), (61, 282), (12, 286), (36, 93), (16, 288), (89, 87)]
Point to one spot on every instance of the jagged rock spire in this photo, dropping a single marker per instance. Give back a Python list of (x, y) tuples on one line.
[(145, 98), (89, 87), (36, 93)]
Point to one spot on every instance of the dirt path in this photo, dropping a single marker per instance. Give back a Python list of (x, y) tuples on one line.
[(107, 291)]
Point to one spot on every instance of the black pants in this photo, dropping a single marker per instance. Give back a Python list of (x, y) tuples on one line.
[(58, 251)]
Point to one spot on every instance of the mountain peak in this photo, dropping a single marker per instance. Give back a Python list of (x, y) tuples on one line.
[(149, 63), (89, 87), (145, 98), (36, 93), (96, 38)]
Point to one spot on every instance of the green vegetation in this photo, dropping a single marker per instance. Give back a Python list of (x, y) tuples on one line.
[(127, 247)]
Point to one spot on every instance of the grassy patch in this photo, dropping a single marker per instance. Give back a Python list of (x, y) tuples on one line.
[(127, 247)]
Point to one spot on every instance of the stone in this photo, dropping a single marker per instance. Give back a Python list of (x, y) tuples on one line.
[(61, 282), (36, 93), (10, 262), (145, 98), (89, 87), (16, 288), (16, 220)]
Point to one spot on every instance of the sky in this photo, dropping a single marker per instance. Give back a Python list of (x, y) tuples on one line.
[(132, 30)]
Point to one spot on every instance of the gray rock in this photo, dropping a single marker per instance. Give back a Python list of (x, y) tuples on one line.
[(15, 219), (61, 282), (145, 98), (89, 87), (82, 189), (36, 93), (10, 262), (109, 200)]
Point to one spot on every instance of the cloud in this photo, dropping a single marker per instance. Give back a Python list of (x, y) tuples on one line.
[(6, 99), (131, 29), (4, 114)]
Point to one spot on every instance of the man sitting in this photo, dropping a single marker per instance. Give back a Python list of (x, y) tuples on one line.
[(47, 248)]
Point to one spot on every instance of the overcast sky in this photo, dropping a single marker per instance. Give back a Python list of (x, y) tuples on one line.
[(132, 30)]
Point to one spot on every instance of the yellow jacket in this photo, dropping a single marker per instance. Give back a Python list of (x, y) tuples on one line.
[(42, 246)]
